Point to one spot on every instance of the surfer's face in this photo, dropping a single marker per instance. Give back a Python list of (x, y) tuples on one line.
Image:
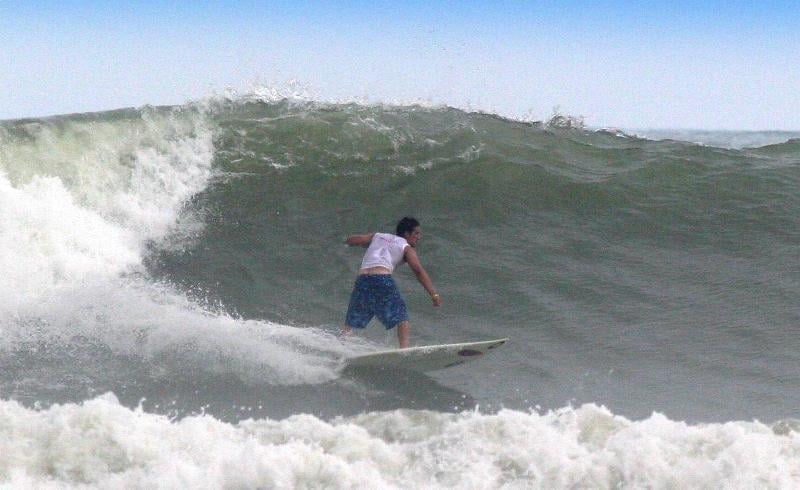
[(412, 237)]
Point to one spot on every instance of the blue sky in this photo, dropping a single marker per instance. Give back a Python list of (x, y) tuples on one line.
[(705, 65)]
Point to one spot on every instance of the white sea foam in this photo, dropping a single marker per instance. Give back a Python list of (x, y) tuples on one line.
[(105, 445), (47, 240), (79, 201)]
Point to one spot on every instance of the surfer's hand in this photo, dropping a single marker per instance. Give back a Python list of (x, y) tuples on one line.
[(437, 299)]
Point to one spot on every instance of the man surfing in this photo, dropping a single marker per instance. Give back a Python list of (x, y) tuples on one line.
[(375, 292)]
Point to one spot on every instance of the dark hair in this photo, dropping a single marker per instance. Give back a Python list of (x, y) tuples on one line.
[(405, 225)]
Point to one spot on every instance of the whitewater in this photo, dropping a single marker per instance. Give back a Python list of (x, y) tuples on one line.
[(172, 280)]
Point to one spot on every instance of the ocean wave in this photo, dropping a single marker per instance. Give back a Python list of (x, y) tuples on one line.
[(83, 199), (197, 245), (101, 444)]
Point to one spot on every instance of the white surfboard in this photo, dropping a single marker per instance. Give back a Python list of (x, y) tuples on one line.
[(424, 358)]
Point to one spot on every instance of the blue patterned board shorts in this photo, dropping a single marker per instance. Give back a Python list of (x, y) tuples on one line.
[(376, 295)]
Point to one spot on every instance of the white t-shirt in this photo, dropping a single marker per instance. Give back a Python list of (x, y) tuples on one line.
[(384, 250)]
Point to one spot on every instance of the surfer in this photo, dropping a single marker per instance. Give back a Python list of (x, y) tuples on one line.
[(375, 292)]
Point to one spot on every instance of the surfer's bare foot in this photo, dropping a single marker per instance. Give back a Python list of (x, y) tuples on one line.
[(346, 331)]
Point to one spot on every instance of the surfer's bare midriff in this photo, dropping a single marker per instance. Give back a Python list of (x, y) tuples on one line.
[(374, 270)]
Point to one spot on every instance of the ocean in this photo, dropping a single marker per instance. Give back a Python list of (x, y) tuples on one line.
[(173, 279)]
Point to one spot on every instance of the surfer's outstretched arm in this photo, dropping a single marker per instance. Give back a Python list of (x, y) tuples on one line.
[(359, 240), (422, 276)]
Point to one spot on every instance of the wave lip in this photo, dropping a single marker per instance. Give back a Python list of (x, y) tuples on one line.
[(79, 198), (102, 444)]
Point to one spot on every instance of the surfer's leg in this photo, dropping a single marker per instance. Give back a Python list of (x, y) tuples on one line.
[(391, 310), (403, 330), (359, 311)]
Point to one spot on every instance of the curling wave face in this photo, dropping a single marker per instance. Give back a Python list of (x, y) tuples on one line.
[(82, 201)]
